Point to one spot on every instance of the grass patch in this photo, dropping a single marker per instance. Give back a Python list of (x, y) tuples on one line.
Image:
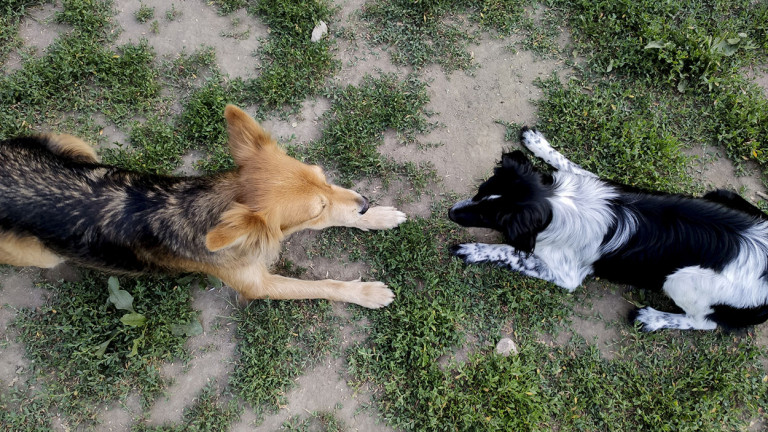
[(690, 47), (293, 67), (355, 124), (687, 43), (316, 420), (612, 129), (664, 381), (21, 412), (92, 18), (420, 33), (78, 73), (278, 340), (208, 413), (144, 13), (11, 15), (159, 144), (85, 352), (439, 301)]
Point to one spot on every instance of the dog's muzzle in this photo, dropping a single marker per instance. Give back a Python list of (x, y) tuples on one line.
[(457, 206), (365, 206)]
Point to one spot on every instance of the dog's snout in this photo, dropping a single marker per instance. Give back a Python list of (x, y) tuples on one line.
[(365, 206), (451, 214)]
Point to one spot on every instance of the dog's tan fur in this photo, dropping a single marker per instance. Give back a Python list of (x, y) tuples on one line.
[(249, 211)]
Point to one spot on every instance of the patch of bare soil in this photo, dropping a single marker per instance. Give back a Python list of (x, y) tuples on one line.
[(37, 31), (600, 318)]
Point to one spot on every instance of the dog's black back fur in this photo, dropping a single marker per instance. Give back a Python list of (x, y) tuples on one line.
[(672, 232), (100, 216)]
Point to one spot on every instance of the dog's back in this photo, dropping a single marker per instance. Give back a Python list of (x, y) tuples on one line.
[(102, 216), (662, 233)]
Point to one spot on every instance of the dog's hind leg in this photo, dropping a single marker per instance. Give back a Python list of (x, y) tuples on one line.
[(71, 147), (651, 320), (26, 251), (693, 290), (509, 257), (256, 283), (534, 141)]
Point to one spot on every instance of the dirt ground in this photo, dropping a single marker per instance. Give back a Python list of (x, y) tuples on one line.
[(466, 107)]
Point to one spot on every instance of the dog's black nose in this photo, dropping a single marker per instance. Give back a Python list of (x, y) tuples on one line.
[(365, 206), (451, 215)]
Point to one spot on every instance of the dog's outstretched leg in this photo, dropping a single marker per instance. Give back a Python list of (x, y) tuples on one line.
[(651, 320), (255, 282), (511, 258), (534, 141)]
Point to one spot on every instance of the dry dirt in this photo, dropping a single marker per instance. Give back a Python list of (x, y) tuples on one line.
[(466, 107)]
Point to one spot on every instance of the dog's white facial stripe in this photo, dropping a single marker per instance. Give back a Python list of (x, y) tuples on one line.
[(461, 204), (490, 197)]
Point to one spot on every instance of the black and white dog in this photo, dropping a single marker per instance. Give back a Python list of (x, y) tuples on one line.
[(709, 255)]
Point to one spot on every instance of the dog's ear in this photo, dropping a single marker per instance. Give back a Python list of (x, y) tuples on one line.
[(238, 224), (516, 160), (245, 134), (523, 225)]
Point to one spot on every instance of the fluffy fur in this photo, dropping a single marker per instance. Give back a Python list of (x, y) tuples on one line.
[(58, 203), (709, 255)]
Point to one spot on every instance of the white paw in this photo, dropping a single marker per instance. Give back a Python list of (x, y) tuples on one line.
[(468, 252), (381, 218), (650, 319), (374, 295), (532, 139)]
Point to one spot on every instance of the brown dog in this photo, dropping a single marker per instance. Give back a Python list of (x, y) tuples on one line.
[(57, 203)]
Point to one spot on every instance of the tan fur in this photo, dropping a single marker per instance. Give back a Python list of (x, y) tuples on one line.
[(71, 147), (279, 195), (26, 251)]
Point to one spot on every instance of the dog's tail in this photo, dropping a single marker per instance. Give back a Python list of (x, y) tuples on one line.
[(534, 141)]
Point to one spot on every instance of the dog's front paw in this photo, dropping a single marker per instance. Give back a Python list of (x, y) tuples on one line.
[(374, 295), (530, 138), (377, 218), (467, 252)]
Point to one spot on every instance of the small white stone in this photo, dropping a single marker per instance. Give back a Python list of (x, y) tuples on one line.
[(320, 30), (506, 347)]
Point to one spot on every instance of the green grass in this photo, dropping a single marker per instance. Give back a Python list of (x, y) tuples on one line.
[(658, 77), (439, 302), (419, 33), (208, 413), (690, 47), (10, 15), (317, 420), (78, 73), (84, 355), (613, 130), (278, 340), (144, 13), (665, 381), (355, 124), (293, 68)]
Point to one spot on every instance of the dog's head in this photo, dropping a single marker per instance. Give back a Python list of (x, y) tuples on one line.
[(513, 201), (276, 194)]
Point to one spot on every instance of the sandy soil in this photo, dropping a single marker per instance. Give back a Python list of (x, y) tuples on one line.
[(466, 107)]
